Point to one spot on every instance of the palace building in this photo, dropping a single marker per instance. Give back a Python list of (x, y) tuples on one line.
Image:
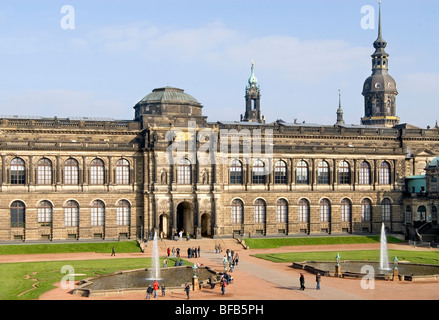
[(170, 169)]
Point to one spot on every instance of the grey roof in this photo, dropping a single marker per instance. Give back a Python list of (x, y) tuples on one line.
[(169, 94)]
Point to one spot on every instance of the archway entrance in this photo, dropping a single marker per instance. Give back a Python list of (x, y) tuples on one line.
[(185, 218), (205, 225), (164, 225)]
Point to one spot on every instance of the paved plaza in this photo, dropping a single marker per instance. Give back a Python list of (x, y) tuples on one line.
[(256, 279)]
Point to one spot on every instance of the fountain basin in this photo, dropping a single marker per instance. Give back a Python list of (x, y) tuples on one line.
[(136, 281), (352, 269)]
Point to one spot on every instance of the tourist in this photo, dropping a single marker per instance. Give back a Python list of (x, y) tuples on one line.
[(216, 248), (165, 263), (223, 286), (156, 288), (302, 282), (187, 289), (318, 279), (163, 290), (178, 252), (169, 252), (113, 252), (173, 252), (199, 250), (195, 252), (148, 292), (236, 259)]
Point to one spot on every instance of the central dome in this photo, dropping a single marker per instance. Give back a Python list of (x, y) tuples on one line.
[(169, 94)]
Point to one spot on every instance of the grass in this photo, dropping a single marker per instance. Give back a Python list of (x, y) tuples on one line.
[(282, 242), (16, 278), (425, 257), (106, 247)]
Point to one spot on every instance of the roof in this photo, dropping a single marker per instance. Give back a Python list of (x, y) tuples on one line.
[(169, 94)]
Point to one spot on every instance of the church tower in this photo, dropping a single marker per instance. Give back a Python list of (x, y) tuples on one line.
[(380, 89), (253, 100)]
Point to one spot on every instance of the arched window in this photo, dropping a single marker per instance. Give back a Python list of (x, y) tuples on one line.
[(302, 173), (408, 214), (422, 214), (97, 171), (237, 211), (236, 172), (44, 172), (184, 174), (71, 214), (97, 213), (344, 173), (18, 171), (386, 210), (364, 173), (71, 172), (303, 211), (366, 210), (123, 213), (18, 213), (122, 172), (280, 172), (346, 209), (282, 211), (325, 210), (384, 173), (259, 211), (323, 173), (258, 172), (45, 212)]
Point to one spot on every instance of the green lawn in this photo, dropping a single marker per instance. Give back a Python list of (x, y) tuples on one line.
[(16, 278), (105, 247), (282, 242), (425, 257)]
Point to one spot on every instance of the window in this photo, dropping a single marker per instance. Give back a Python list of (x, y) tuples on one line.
[(259, 211), (364, 173), (97, 169), (18, 212), (303, 211), (344, 173), (280, 173), (18, 171), (237, 211), (346, 209), (235, 172), (366, 210), (386, 210), (122, 172), (71, 172), (71, 214), (433, 185), (44, 172), (45, 212), (258, 172), (302, 173), (97, 213), (282, 211), (384, 173), (325, 211), (184, 172), (323, 173), (422, 214), (123, 213), (408, 214)]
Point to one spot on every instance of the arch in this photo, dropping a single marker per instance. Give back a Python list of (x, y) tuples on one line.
[(235, 172), (123, 213), (422, 213), (205, 225), (98, 213), (323, 173), (122, 172), (44, 172), (344, 173), (45, 213), (184, 171), (97, 172), (164, 225), (260, 210), (71, 172), (18, 214), (237, 211), (364, 173), (384, 173), (386, 210), (325, 210), (366, 210), (258, 172), (18, 171), (71, 213), (304, 210), (282, 211), (280, 172), (302, 172), (185, 217), (346, 210)]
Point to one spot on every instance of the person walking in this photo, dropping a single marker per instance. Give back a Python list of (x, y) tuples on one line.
[(165, 263), (302, 282), (163, 290), (156, 288), (223, 286), (169, 252), (318, 280), (113, 252), (148, 292), (199, 251), (187, 289)]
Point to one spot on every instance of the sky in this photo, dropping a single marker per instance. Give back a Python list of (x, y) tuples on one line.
[(99, 58)]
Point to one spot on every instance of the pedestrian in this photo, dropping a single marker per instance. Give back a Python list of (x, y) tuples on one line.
[(165, 263), (187, 289), (223, 286), (318, 279), (148, 292), (163, 290), (216, 248), (236, 258), (113, 252), (173, 252), (195, 252), (189, 251), (302, 282), (156, 288), (199, 251), (178, 252), (169, 252)]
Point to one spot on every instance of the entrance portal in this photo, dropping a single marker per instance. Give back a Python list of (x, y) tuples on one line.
[(205, 225), (185, 218)]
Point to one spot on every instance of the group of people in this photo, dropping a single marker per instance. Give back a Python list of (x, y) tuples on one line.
[(154, 289), (231, 258), (302, 281)]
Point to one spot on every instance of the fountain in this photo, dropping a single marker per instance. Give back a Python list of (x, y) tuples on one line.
[(155, 268), (384, 258)]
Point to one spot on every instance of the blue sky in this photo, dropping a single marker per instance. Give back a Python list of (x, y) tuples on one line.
[(304, 52)]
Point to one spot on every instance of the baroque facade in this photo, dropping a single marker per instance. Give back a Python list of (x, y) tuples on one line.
[(170, 169)]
